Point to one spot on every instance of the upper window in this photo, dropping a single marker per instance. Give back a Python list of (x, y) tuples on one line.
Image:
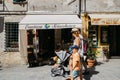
[(1, 1), (19, 1), (11, 37), (1, 5)]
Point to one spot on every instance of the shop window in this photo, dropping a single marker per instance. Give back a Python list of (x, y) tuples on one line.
[(11, 37), (1, 5), (93, 36), (19, 1), (1, 1), (104, 35)]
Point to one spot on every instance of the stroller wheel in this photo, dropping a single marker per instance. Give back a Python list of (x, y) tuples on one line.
[(53, 75), (62, 71)]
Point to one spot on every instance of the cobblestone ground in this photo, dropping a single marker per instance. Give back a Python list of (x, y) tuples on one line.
[(24, 73), (104, 71)]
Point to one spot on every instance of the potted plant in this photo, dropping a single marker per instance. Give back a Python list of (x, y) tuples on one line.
[(91, 56)]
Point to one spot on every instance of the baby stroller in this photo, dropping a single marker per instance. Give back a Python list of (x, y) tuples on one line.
[(60, 69)]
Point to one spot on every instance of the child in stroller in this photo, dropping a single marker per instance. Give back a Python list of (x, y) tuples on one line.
[(57, 61), (61, 59)]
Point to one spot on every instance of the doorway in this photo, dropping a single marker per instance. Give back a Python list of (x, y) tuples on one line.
[(46, 43), (114, 41), (66, 35)]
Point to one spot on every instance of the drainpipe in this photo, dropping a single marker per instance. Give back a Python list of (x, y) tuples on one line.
[(84, 6), (79, 7), (79, 13)]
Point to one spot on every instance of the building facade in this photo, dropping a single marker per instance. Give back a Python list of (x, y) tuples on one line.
[(102, 19), (100, 24), (16, 40)]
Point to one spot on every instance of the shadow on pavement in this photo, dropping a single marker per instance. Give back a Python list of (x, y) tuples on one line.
[(91, 73), (39, 64), (99, 63)]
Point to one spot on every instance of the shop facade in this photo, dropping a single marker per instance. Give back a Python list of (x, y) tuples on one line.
[(101, 25), (103, 31), (41, 33), (14, 37)]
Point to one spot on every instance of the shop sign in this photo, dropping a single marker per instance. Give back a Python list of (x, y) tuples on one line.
[(105, 21), (52, 26), (45, 26), (60, 26)]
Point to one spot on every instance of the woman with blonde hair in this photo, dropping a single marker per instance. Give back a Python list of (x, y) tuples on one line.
[(76, 42)]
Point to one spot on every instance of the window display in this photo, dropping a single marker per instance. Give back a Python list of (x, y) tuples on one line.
[(93, 37), (104, 34)]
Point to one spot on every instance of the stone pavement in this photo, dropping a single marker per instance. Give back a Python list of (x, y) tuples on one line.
[(103, 71)]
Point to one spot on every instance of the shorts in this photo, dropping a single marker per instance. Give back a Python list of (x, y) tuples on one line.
[(75, 74)]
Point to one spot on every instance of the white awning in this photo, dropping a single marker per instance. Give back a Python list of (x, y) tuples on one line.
[(50, 21), (105, 19)]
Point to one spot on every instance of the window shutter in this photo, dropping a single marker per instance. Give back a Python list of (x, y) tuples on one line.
[(1, 24)]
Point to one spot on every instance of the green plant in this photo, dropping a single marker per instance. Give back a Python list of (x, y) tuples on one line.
[(90, 53)]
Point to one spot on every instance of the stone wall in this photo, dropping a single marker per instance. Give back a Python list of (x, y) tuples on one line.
[(10, 59), (11, 7), (47, 6), (102, 5), (2, 39), (63, 6), (7, 18), (54, 6)]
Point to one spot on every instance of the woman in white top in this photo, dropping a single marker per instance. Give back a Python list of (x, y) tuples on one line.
[(77, 42)]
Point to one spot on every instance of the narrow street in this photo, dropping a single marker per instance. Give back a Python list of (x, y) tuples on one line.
[(103, 71)]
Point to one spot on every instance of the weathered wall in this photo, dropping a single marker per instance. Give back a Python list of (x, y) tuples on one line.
[(7, 18), (49, 6), (13, 18), (2, 41), (102, 5), (1, 33), (9, 6), (9, 58), (61, 6)]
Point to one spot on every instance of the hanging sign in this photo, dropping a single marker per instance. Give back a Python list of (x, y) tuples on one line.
[(105, 21)]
